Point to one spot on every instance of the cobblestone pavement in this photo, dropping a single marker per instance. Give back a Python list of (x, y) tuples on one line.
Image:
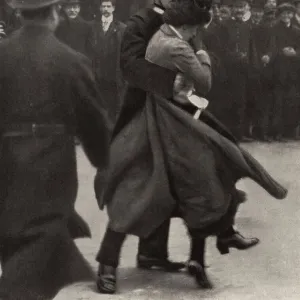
[(269, 271)]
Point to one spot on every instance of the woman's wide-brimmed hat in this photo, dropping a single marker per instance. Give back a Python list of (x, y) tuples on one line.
[(285, 7), (31, 4)]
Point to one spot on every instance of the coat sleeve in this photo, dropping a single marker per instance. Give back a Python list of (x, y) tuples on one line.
[(93, 125), (137, 71), (187, 62)]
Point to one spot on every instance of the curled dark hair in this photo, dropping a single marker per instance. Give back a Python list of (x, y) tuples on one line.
[(187, 12)]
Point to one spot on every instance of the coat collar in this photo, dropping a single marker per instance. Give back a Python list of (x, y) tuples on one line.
[(170, 31)]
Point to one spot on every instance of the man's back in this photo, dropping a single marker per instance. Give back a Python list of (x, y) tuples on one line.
[(37, 75), (45, 82)]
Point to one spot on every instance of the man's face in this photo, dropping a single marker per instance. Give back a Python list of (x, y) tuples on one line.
[(107, 8), (225, 13), (257, 16), (72, 10), (239, 11), (286, 17)]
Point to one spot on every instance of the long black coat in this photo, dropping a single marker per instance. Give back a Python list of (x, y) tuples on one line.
[(43, 81), (136, 70), (74, 33), (104, 48)]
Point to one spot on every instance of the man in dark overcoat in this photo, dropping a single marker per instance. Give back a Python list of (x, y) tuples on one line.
[(73, 30), (48, 94), (261, 37), (236, 34), (104, 47), (283, 58), (142, 77)]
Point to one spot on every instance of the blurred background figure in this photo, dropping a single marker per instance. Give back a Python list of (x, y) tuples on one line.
[(272, 3), (269, 16), (257, 12)]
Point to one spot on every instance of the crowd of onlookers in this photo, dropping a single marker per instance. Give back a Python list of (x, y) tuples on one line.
[(255, 49)]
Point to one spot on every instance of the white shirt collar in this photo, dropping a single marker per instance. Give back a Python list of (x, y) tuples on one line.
[(297, 18), (176, 32), (158, 10), (107, 19)]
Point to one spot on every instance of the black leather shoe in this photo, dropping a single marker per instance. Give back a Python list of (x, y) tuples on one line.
[(235, 241), (198, 272), (107, 279), (145, 262)]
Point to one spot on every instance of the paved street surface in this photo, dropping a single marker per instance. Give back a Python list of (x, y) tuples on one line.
[(269, 271)]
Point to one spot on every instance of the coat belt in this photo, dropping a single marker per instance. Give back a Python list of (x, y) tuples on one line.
[(34, 129)]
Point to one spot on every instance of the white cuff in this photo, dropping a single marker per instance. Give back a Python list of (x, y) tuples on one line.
[(201, 51)]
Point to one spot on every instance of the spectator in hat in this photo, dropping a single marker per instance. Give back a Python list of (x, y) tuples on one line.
[(257, 14), (272, 3), (261, 36), (235, 37), (283, 57), (73, 30)]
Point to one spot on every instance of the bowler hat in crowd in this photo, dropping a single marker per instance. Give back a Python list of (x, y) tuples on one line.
[(31, 4), (285, 7)]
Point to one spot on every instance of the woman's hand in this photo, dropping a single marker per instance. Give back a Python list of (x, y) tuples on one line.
[(181, 89), (289, 51)]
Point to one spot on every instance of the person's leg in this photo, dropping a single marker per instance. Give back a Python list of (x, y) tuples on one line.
[(230, 238), (196, 265), (108, 258), (153, 250)]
